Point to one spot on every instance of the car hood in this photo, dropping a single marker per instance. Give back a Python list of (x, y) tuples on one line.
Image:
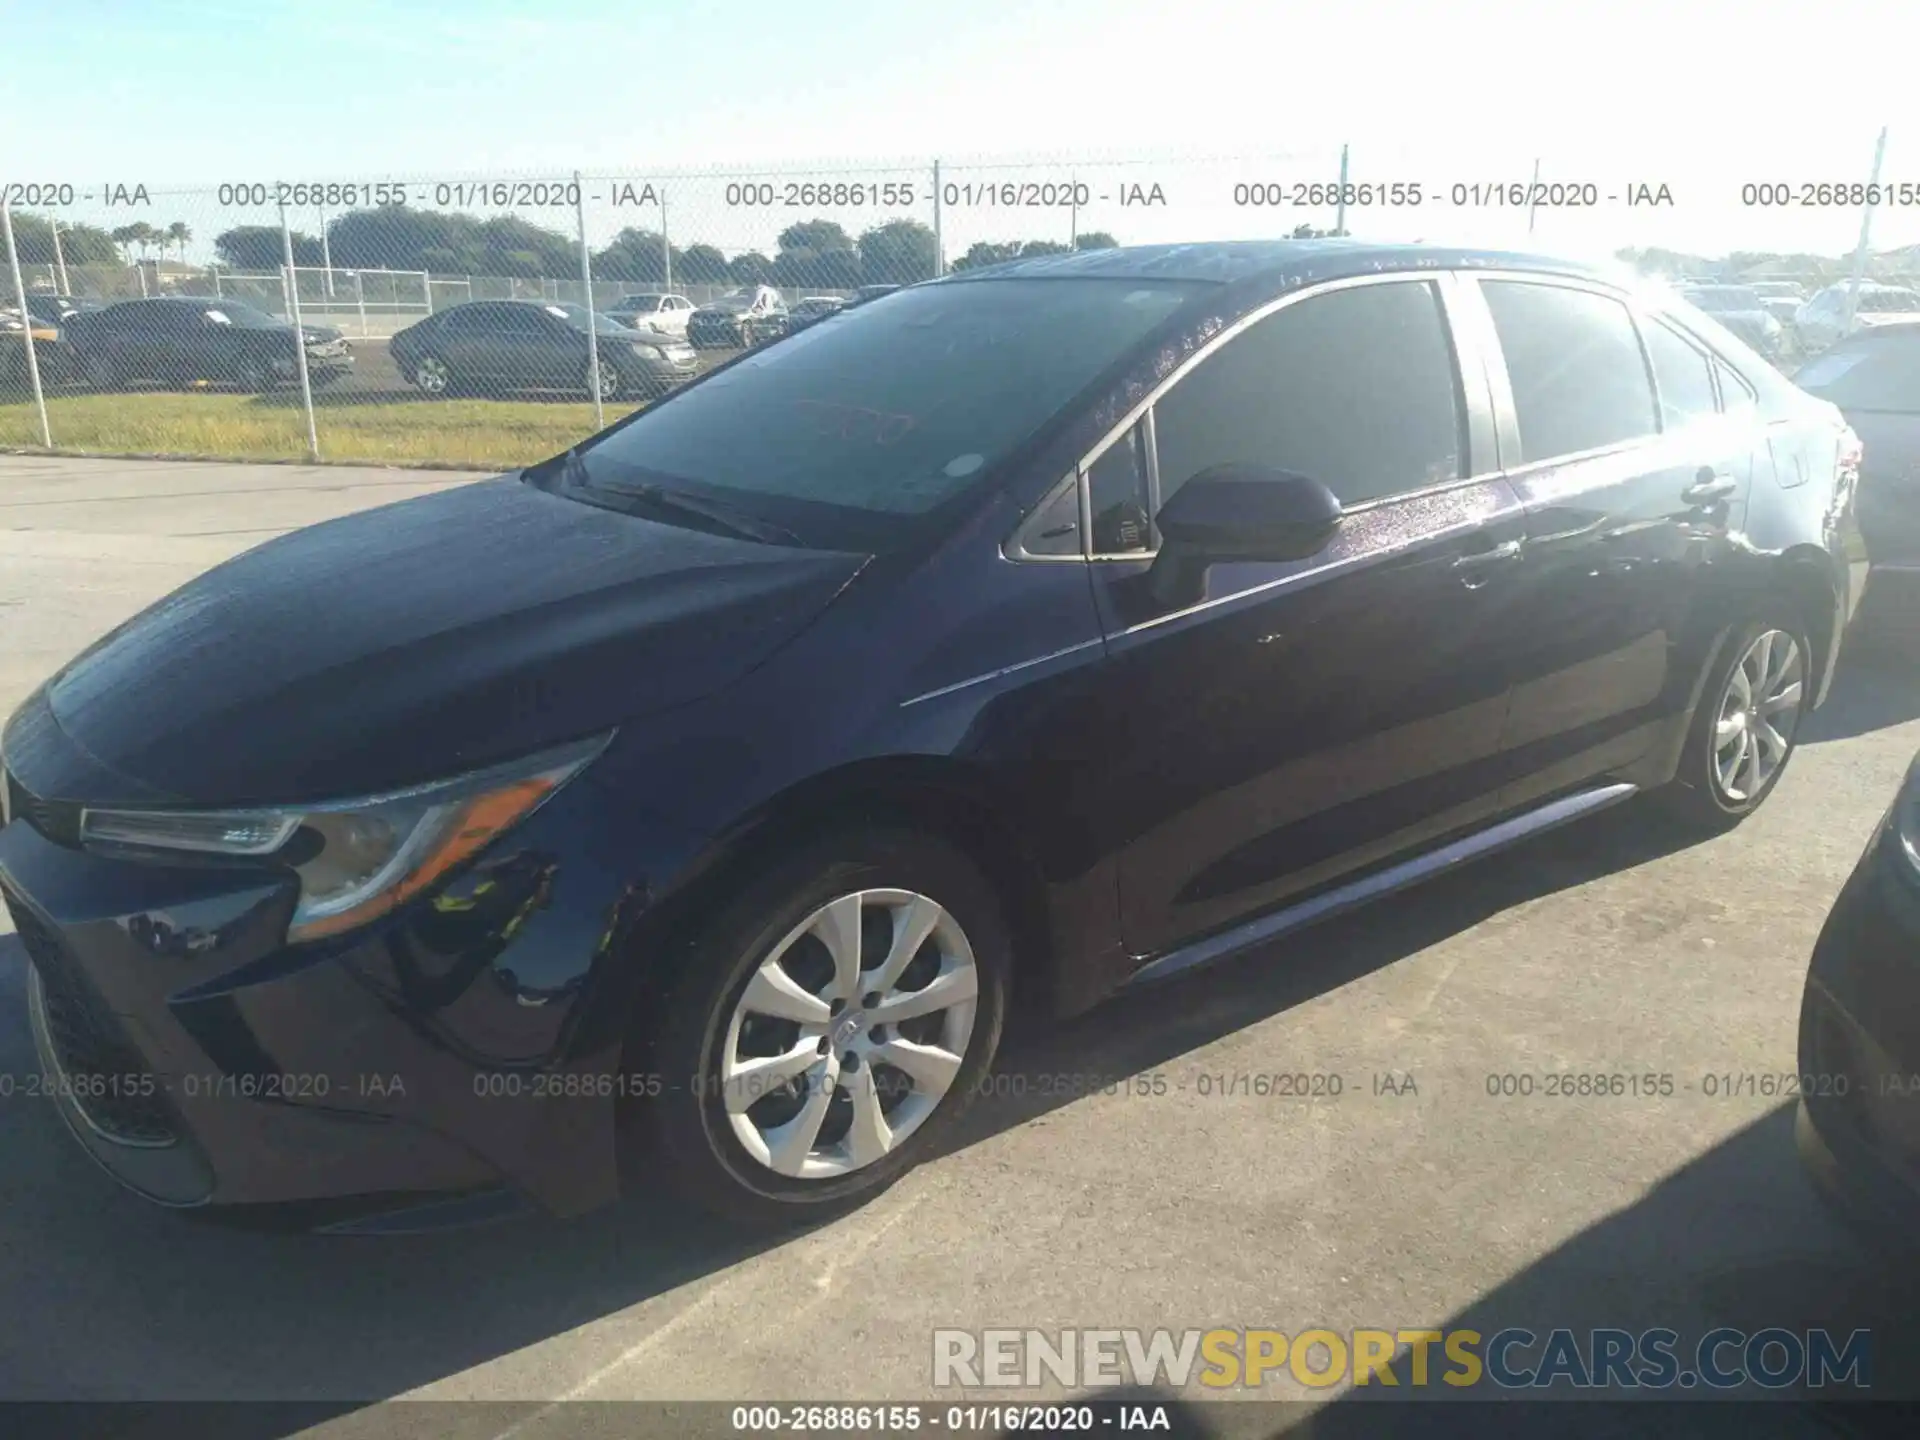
[(321, 333), (422, 639)]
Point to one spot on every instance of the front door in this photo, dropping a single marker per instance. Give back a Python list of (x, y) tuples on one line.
[(1295, 721)]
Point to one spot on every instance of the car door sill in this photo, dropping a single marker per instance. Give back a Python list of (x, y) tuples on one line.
[(1382, 882)]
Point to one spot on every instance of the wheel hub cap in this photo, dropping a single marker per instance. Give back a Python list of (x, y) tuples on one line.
[(849, 1033), (1759, 711)]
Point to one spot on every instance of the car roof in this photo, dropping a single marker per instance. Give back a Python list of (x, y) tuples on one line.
[(1227, 262)]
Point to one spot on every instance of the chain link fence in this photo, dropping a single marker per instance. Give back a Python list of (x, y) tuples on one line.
[(489, 321)]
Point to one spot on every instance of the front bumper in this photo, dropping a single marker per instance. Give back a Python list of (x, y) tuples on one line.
[(471, 1042), (1858, 1129)]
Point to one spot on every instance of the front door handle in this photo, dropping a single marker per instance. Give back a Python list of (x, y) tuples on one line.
[(1709, 488), (1493, 555), (1474, 566)]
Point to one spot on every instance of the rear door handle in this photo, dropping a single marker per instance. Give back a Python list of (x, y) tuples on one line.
[(1708, 488)]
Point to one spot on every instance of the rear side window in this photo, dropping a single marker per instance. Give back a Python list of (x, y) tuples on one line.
[(1573, 360), (1872, 374), (1682, 375), (1355, 388)]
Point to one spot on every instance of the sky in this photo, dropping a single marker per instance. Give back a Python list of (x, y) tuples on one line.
[(1197, 98)]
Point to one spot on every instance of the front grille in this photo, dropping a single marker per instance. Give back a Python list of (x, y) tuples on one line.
[(58, 820), (99, 1070)]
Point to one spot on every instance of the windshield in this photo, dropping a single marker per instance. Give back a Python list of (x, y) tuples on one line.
[(640, 302), (840, 433), (241, 315), (732, 300), (576, 316)]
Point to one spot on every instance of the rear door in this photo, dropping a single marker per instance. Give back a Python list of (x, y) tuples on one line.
[(1301, 719), (1624, 505)]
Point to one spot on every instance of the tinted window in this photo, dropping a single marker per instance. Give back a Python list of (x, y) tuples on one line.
[(1355, 388), (1573, 360), (1736, 396), (890, 410), (1117, 497), (1682, 374), (1877, 374), (1055, 527)]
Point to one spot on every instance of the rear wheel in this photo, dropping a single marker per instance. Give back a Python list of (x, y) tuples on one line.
[(1746, 725), (831, 1024)]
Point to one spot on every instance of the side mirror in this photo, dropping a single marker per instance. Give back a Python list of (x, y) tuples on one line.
[(1249, 512), (1237, 512)]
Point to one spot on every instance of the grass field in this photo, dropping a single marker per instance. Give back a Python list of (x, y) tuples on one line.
[(481, 434)]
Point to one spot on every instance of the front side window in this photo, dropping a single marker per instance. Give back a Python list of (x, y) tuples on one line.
[(1573, 360), (1117, 497), (1355, 388), (841, 432), (1682, 375)]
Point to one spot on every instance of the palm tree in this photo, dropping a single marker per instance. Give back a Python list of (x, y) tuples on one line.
[(178, 234)]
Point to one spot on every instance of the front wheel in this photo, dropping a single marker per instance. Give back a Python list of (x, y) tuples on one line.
[(611, 380), (830, 1024), (431, 375), (1746, 725)]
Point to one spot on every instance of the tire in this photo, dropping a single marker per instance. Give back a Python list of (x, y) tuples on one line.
[(612, 383), (1700, 795), (707, 1018), (431, 376), (100, 371)]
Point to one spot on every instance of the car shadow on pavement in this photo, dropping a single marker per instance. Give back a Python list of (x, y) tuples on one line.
[(133, 1302), (1878, 682), (1735, 1238)]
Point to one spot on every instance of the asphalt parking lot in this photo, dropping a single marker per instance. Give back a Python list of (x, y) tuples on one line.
[(1608, 947)]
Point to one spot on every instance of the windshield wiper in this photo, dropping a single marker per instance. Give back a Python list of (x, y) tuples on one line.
[(665, 499)]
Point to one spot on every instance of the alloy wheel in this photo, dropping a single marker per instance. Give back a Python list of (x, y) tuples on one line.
[(432, 375), (1759, 712), (849, 1033), (609, 380)]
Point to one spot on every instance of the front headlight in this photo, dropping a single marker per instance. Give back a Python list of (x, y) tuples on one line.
[(647, 352), (357, 860)]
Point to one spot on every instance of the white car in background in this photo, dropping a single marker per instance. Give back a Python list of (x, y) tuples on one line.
[(1822, 320), (660, 313)]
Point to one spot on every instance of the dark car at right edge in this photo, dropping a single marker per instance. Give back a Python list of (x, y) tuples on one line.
[(688, 808)]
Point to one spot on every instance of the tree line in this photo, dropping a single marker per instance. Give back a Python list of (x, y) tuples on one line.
[(810, 253), (90, 245)]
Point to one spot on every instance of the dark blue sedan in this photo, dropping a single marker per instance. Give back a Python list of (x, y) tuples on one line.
[(684, 810)]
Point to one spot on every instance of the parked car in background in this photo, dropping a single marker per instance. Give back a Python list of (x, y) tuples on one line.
[(49, 354), (1857, 1124), (1742, 311), (871, 292), (185, 340), (813, 308), (661, 314), (739, 319), (504, 345), (1782, 298), (57, 309), (1873, 375), (1822, 320), (733, 763)]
